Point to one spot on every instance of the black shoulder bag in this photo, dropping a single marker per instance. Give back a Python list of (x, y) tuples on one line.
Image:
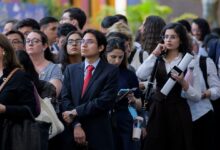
[(23, 134)]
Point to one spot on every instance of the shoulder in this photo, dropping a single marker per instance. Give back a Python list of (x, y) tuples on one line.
[(21, 74), (128, 73), (74, 66), (107, 66), (21, 78)]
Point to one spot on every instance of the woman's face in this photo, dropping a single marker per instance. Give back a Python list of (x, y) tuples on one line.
[(196, 31), (74, 44), (34, 45), (115, 57), (89, 46), (171, 39)]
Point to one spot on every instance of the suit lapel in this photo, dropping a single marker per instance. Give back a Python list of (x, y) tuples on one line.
[(80, 79), (97, 72)]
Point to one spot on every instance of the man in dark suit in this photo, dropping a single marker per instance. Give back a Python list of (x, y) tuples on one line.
[(87, 106)]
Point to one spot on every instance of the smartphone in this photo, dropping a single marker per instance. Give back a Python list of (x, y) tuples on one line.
[(126, 91), (123, 92)]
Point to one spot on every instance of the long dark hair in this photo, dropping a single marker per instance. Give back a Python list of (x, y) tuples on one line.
[(64, 56), (150, 37), (28, 66), (116, 43)]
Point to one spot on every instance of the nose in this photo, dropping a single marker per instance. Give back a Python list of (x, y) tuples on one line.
[(117, 61)]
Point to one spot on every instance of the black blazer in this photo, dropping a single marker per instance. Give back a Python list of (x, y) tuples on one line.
[(17, 93), (93, 107)]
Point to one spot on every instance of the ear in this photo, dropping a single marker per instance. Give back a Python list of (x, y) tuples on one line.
[(75, 23), (101, 48), (45, 46)]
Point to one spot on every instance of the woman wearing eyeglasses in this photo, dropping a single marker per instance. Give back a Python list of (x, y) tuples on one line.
[(71, 49), (37, 48), (170, 124)]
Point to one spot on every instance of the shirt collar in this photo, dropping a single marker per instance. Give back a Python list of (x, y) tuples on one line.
[(93, 64)]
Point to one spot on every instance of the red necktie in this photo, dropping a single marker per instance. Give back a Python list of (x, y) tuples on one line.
[(88, 76)]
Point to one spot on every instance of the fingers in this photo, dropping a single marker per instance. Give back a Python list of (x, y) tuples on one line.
[(79, 135), (178, 78), (206, 94), (67, 116), (159, 49), (131, 98)]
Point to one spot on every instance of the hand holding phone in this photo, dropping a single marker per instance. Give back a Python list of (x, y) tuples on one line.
[(124, 92)]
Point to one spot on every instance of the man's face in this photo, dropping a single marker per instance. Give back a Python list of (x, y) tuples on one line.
[(66, 19), (51, 32), (25, 30), (16, 41)]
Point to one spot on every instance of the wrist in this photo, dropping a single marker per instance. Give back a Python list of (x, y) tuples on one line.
[(73, 112), (155, 53), (185, 85), (77, 125)]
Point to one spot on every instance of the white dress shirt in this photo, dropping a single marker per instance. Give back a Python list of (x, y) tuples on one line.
[(199, 106)]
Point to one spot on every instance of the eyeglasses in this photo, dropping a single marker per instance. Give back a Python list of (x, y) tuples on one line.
[(32, 41), (65, 18), (171, 37), (16, 42), (87, 41), (73, 42)]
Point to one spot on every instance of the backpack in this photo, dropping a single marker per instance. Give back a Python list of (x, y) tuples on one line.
[(141, 59), (216, 103), (203, 67)]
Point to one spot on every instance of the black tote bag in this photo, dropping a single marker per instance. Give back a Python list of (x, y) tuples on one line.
[(24, 134)]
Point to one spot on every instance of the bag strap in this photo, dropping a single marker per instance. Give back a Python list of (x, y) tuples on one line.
[(151, 81), (132, 55), (141, 56), (8, 78), (203, 66)]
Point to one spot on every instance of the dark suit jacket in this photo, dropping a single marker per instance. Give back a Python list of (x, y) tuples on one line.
[(93, 107)]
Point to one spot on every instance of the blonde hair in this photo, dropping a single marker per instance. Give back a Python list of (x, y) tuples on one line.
[(122, 28)]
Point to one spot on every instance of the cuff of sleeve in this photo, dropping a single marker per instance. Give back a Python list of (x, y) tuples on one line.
[(214, 94), (75, 123)]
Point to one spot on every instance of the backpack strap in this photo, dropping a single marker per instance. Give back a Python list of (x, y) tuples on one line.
[(203, 66), (132, 55), (141, 56)]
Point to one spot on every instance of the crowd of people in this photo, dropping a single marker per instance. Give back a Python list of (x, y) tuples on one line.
[(98, 79)]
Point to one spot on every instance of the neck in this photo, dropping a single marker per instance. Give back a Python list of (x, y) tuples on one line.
[(75, 59), (172, 54), (91, 60), (38, 62)]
